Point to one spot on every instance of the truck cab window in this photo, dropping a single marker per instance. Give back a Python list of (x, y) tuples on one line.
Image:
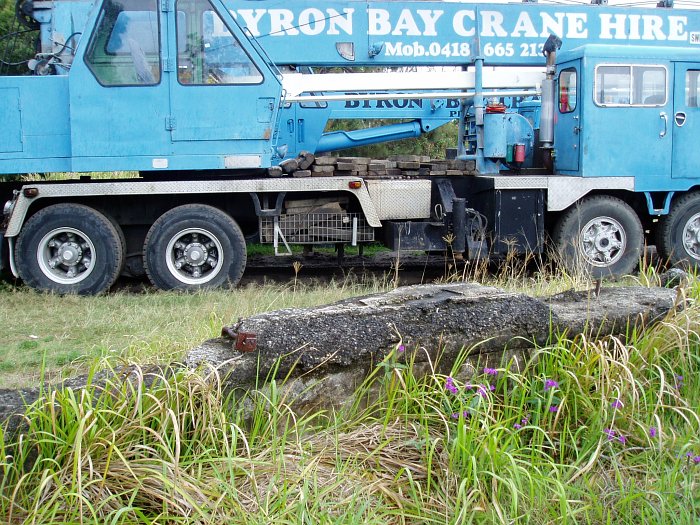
[(124, 49), (567, 90), (208, 53), (630, 85), (692, 88)]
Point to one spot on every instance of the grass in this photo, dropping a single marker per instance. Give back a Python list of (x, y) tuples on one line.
[(588, 431), (620, 447), (68, 333)]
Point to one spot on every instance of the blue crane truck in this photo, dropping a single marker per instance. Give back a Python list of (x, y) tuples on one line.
[(578, 129)]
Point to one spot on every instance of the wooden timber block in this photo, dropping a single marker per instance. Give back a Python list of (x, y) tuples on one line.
[(408, 165), (301, 173), (275, 171), (306, 159), (322, 169), (405, 158), (355, 160), (289, 165), (325, 161)]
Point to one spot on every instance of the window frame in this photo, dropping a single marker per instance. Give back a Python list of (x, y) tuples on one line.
[(213, 8), (688, 85), (559, 92), (632, 67), (95, 40)]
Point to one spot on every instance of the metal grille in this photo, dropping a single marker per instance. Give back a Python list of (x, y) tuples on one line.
[(316, 228)]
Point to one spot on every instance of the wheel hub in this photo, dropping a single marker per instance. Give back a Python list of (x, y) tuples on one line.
[(193, 256), (70, 253), (691, 236), (65, 255), (603, 241), (196, 254)]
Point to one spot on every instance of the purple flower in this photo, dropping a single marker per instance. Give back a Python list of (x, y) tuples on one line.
[(652, 432), (525, 420), (450, 385), (679, 382), (482, 391), (696, 460), (610, 433), (464, 414), (490, 371), (553, 408), (492, 388), (550, 383), (616, 404), (622, 439), (517, 426), (402, 348)]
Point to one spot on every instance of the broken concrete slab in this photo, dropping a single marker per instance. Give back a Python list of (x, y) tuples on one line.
[(441, 319), (323, 353)]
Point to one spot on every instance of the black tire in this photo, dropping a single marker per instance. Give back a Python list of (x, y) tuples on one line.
[(69, 248), (122, 239), (600, 236), (678, 233), (205, 242)]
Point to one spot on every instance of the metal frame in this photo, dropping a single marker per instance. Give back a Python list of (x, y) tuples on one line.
[(97, 189)]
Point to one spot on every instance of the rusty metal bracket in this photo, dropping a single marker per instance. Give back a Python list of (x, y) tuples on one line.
[(243, 341), (246, 342)]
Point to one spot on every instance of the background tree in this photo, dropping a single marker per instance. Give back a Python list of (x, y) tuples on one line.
[(17, 40)]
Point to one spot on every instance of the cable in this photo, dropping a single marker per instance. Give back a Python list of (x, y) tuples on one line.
[(10, 35), (65, 44)]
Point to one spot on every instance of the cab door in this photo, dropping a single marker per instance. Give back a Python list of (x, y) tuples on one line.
[(118, 100), (567, 139), (627, 129), (686, 121), (224, 96)]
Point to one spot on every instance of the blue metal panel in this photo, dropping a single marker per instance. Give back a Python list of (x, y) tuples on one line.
[(43, 142), (116, 120), (567, 132), (10, 116), (685, 122), (625, 140), (240, 113), (439, 33)]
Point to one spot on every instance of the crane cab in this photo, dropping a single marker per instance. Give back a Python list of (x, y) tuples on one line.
[(628, 112)]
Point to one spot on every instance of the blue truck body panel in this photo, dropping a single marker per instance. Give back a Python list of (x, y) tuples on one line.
[(639, 137)]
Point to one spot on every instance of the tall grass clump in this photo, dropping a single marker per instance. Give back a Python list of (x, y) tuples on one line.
[(587, 431)]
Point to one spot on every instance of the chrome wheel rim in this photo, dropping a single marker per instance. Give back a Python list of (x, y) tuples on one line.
[(194, 256), (691, 236), (66, 255), (602, 242)]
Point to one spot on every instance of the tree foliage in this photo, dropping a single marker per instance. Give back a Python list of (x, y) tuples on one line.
[(17, 42)]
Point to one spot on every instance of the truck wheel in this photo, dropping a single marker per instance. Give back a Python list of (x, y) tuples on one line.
[(600, 236), (194, 246), (678, 238), (69, 248)]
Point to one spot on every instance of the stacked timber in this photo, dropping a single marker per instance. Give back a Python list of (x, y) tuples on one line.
[(394, 167)]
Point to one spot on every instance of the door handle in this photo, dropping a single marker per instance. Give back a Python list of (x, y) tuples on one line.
[(577, 127), (664, 117), (680, 118)]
